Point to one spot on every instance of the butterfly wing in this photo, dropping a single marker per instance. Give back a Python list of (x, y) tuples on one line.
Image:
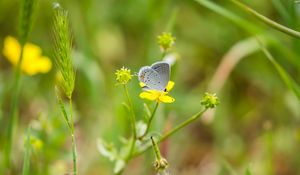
[(151, 78), (163, 70)]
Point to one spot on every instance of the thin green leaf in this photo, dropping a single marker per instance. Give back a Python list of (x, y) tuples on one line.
[(26, 18), (26, 161), (228, 14), (251, 28), (267, 21), (290, 83)]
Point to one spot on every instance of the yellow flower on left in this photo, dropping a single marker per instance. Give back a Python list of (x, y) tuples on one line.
[(33, 61)]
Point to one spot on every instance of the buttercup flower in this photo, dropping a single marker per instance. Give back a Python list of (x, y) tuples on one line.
[(165, 41), (123, 75), (32, 62), (159, 96)]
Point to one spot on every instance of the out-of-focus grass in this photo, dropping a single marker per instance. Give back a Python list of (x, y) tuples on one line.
[(256, 125)]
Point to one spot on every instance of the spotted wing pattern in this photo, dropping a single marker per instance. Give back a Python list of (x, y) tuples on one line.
[(150, 78)]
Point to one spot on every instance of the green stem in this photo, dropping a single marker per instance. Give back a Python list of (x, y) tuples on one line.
[(163, 54), (74, 151), (26, 160), (266, 20), (156, 149), (182, 125), (174, 130), (132, 121), (14, 110), (149, 122)]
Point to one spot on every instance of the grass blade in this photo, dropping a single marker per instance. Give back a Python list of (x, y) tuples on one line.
[(26, 163), (233, 17), (267, 21), (290, 83)]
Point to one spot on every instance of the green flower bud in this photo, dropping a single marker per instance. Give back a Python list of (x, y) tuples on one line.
[(123, 75), (165, 41), (210, 100)]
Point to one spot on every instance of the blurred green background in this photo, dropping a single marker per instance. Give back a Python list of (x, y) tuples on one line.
[(256, 126)]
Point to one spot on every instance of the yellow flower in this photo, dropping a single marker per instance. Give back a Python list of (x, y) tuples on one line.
[(159, 96), (33, 62)]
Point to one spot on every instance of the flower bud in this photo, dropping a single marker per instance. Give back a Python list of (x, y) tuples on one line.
[(210, 100), (123, 75)]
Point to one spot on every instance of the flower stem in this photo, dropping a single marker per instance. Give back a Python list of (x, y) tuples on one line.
[(177, 128), (149, 122), (156, 149), (163, 54), (132, 121), (74, 151), (182, 125), (14, 110)]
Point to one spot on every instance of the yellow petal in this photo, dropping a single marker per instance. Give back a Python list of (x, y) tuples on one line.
[(11, 49), (170, 85), (148, 96), (40, 65), (31, 52), (44, 64), (166, 99), (142, 84)]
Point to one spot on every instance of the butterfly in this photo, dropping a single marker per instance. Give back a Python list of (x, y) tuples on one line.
[(156, 76)]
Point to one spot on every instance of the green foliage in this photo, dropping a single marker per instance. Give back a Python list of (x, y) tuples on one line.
[(245, 51), (269, 22), (27, 9)]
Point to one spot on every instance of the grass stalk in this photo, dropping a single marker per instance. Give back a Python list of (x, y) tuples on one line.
[(290, 83), (14, 111), (74, 150), (63, 60), (266, 20), (70, 123), (247, 26), (250, 28), (26, 163), (133, 126), (27, 9)]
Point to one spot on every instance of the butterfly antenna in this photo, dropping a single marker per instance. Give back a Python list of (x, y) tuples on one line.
[(135, 74)]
